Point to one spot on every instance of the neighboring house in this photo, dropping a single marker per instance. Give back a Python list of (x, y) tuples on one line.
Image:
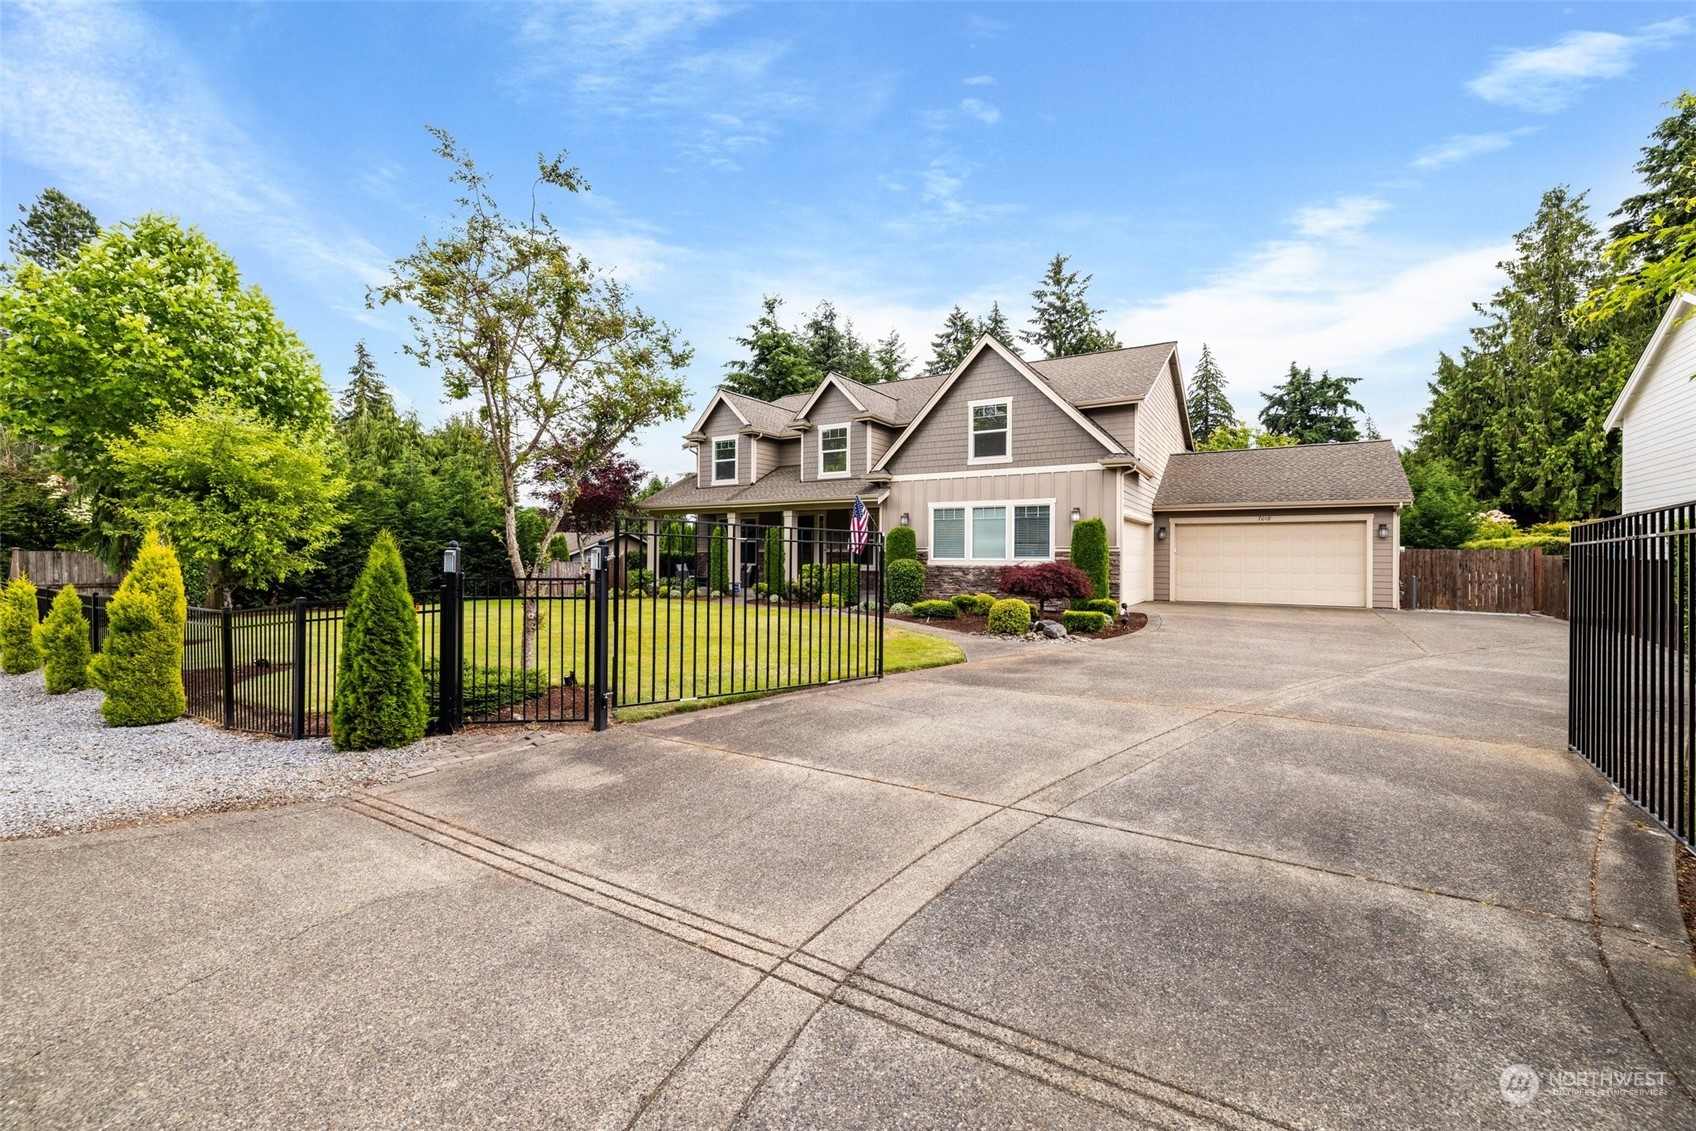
[(577, 546), (1656, 416), (992, 462)]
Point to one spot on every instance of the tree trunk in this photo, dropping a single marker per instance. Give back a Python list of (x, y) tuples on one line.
[(532, 624)]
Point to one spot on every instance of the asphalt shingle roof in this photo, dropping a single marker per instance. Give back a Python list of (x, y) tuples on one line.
[(1308, 473), (1116, 375), (779, 486)]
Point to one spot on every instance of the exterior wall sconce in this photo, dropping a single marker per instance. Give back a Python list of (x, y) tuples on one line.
[(1383, 530), (1077, 513), (905, 519), (1160, 534), (450, 558)]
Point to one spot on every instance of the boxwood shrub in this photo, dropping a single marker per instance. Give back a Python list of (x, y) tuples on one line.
[(1011, 617), (842, 579), (1097, 605), (935, 610), (973, 604), (900, 609), (1076, 621), (904, 581)]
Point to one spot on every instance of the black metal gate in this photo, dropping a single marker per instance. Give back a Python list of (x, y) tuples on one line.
[(522, 650)]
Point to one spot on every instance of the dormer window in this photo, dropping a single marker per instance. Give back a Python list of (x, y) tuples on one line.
[(991, 437), (833, 450), (724, 460)]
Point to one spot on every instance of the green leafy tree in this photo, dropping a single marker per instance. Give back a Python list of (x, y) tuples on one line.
[(718, 561), (1089, 553), (774, 567), (652, 487), (1237, 435), (1062, 321), (902, 543), (36, 512), (251, 504), (1314, 410), (20, 650), (559, 360), (1208, 405), (64, 643), (147, 319), (141, 665), (53, 228), (379, 699), (949, 348), (778, 363), (1444, 513)]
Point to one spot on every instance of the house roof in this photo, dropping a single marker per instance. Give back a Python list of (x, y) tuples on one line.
[(1680, 308), (1368, 471), (1125, 374), (781, 486)]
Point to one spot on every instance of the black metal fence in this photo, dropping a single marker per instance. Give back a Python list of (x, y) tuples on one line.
[(1632, 685)]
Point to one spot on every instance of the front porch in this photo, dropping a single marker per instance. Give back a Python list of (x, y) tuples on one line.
[(812, 536)]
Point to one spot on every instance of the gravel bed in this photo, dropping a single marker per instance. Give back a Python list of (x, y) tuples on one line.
[(62, 769)]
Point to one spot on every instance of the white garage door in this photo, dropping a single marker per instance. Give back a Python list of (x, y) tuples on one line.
[(1136, 564), (1270, 563)]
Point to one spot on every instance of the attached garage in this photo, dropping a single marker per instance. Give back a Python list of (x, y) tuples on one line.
[(1317, 525)]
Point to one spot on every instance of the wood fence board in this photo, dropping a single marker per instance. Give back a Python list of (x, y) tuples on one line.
[(1485, 581)]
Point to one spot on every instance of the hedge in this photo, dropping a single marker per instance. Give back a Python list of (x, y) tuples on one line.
[(904, 580), (64, 643), (20, 652), (1075, 621), (776, 572), (935, 610), (1097, 605), (901, 545), (379, 698), (1089, 552), (1011, 617)]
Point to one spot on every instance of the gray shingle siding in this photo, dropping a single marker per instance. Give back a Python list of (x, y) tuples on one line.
[(722, 422), (832, 408)]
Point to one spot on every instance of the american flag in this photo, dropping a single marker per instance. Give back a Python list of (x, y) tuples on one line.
[(858, 526)]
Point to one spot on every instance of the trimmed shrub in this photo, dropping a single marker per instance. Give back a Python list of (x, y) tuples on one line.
[(904, 580), (776, 573), (1089, 553), (901, 609), (158, 571), (901, 545), (1075, 621), (640, 579), (379, 697), (1050, 581), (718, 560), (64, 644), (19, 650), (935, 610), (487, 690), (141, 667), (842, 579), (829, 601), (1011, 617), (973, 604), (806, 587), (1097, 605)]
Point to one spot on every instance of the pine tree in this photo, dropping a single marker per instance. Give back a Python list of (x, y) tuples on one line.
[(1313, 410), (53, 228), (379, 699), (20, 650), (1668, 172), (890, 358), (1062, 321), (951, 345), (1208, 405), (996, 326), (778, 362), (64, 643)]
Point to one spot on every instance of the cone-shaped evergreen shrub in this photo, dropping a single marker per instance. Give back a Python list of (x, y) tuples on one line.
[(718, 561), (141, 667), (776, 575), (901, 544), (1089, 552), (64, 643), (157, 571), (19, 650), (379, 697)]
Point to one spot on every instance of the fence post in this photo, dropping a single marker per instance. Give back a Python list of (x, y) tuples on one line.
[(227, 635), (299, 712), (94, 640), (450, 666), (601, 682)]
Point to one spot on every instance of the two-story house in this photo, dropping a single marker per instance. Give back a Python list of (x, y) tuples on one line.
[(992, 463)]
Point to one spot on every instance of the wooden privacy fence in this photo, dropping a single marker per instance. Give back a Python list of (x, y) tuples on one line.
[(1485, 581), (53, 568)]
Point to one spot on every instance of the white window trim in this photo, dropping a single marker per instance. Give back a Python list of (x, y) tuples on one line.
[(848, 451), (712, 453), (971, 435), (968, 504)]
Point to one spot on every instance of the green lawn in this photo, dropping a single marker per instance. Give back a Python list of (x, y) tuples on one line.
[(672, 651)]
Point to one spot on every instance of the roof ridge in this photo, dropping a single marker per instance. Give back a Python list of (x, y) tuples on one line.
[(1285, 447), (1101, 353)]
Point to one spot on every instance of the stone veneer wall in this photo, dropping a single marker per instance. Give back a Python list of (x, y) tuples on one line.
[(943, 582)]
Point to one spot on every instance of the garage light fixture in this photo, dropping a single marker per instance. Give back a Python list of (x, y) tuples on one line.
[(1383, 530), (1160, 534), (1077, 513)]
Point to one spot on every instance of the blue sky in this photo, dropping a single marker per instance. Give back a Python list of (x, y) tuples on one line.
[(1329, 184)]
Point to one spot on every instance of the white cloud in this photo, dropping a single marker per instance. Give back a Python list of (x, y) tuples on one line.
[(93, 95), (980, 80), (1343, 217), (1547, 79), (981, 110), (1461, 147)]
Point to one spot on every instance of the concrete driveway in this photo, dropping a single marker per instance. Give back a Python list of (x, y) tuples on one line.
[(1246, 868)]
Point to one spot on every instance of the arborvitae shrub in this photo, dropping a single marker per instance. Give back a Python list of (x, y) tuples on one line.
[(20, 652), (64, 643), (776, 575), (1089, 553), (140, 668), (379, 698), (718, 560), (901, 545)]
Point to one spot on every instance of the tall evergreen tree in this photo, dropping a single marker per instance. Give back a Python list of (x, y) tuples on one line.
[(1654, 243), (949, 348), (997, 326), (1314, 410), (1062, 321), (778, 362), (890, 359), (52, 229), (1209, 407)]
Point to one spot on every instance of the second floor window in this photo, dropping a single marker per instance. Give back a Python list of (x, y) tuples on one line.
[(833, 450), (991, 439), (724, 461)]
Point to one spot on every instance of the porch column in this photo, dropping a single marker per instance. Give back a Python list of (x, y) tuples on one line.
[(732, 551), (791, 546)]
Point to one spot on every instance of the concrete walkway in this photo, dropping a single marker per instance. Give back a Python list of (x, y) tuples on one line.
[(1246, 868)]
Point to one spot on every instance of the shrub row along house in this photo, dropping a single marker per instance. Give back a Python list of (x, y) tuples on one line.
[(992, 462)]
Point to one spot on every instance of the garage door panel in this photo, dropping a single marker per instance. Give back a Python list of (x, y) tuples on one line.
[(1271, 563)]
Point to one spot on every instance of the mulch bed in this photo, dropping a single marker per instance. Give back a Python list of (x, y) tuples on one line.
[(970, 624), (557, 705)]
